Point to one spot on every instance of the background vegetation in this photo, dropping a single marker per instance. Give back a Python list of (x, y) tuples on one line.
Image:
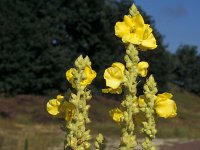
[(41, 39)]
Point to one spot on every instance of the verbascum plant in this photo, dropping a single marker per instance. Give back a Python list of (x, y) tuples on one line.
[(74, 109), (136, 114), (136, 111)]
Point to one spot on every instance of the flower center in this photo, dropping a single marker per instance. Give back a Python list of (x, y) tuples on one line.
[(132, 30)]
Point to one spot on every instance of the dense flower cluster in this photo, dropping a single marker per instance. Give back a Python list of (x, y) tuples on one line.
[(74, 108), (119, 78), (133, 30)]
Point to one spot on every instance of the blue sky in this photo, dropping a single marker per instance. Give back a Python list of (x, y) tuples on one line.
[(177, 20)]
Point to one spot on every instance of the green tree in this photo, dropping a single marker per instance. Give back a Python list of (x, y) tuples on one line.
[(188, 68), (39, 40), (29, 61)]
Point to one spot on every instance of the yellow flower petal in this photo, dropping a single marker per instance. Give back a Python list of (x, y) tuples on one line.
[(70, 77), (60, 98), (138, 29), (121, 29), (142, 68), (90, 75), (53, 107), (166, 95), (149, 41), (69, 110), (163, 96), (138, 21), (119, 65), (128, 21), (58, 108), (164, 106), (116, 114), (141, 101), (113, 91), (114, 75), (132, 38)]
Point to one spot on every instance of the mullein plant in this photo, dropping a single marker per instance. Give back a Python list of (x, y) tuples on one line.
[(74, 109), (136, 112)]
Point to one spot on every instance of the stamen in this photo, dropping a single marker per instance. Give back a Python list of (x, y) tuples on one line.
[(132, 30)]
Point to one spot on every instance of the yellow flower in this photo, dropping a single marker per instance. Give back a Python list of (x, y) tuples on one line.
[(134, 30), (60, 98), (149, 41), (70, 77), (142, 68), (114, 75), (113, 91), (165, 107), (89, 73), (116, 114), (141, 101), (68, 110), (58, 108), (54, 104)]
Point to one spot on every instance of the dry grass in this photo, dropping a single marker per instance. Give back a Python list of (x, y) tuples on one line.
[(187, 122), (24, 117)]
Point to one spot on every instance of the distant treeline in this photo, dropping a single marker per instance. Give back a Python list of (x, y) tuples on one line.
[(39, 41)]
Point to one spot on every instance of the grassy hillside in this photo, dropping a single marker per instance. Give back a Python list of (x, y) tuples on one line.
[(187, 123), (25, 117)]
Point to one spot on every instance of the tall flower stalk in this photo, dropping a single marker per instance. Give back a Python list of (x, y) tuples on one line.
[(75, 109), (129, 104), (77, 136), (149, 126), (136, 111)]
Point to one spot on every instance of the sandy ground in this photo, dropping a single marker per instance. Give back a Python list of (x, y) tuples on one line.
[(165, 144), (187, 145)]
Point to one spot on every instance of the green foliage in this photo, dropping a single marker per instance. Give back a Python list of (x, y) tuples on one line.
[(188, 68), (29, 62), (39, 40)]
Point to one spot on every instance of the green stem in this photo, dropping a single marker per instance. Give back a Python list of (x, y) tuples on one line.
[(149, 127), (77, 135), (128, 137)]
